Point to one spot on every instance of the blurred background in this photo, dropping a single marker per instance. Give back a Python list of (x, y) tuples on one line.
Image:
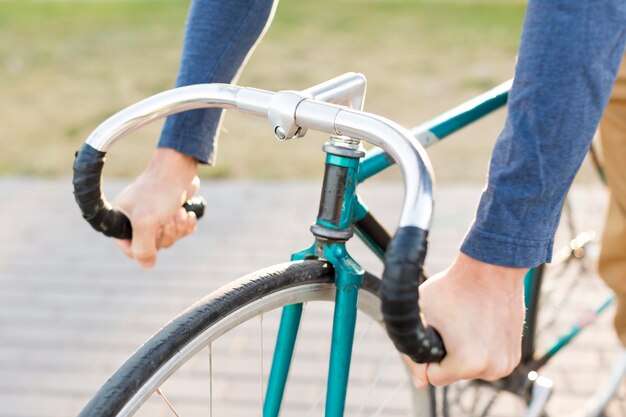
[(65, 66), (73, 308)]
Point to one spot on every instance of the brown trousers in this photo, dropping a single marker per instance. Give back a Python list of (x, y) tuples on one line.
[(612, 262)]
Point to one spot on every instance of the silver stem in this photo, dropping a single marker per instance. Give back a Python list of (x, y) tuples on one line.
[(346, 90)]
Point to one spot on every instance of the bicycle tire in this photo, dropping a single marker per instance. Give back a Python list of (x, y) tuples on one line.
[(215, 315)]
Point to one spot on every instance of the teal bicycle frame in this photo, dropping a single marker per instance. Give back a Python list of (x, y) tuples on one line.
[(342, 212)]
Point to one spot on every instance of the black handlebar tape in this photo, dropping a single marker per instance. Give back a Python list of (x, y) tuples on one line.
[(95, 209), (196, 204), (404, 260)]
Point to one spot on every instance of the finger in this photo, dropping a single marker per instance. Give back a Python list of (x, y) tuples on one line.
[(124, 245), (192, 222), (181, 223), (186, 222), (439, 375), (193, 187), (143, 246), (418, 372), (169, 235)]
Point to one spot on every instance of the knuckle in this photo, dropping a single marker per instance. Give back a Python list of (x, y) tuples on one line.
[(475, 365), (163, 242), (473, 371), (497, 370), (166, 244), (170, 223), (169, 230)]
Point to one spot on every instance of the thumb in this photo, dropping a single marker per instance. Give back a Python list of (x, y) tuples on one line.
[(143, 246), (439, 375), (418, 372)]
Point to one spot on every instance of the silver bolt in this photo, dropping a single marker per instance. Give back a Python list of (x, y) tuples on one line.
[(280, 133)]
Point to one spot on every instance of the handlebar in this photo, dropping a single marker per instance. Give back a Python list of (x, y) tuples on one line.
[(290, 114)]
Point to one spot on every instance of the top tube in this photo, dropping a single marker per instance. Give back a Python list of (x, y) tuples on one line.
[(453, 120), (441, 126)]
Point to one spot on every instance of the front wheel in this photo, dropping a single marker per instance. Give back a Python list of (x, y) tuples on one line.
[(214, 358)]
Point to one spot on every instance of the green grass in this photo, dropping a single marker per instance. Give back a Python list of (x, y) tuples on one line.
[(66, 66)]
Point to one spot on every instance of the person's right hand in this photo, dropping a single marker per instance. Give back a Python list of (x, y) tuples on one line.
[(478, 309), (153, 203)]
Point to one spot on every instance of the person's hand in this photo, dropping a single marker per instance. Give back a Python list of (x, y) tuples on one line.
[(153, 203), (478, 309)]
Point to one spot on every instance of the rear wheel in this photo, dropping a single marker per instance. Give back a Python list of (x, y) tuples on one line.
[(214, 359)]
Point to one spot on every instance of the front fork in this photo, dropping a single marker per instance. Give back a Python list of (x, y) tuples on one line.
[(332, 229), (349, 276)]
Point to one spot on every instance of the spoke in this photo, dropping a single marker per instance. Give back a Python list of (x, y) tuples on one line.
[(379, 372), (167, 402), (490, 404), (481, 401), (467, 403), (476, 399), (364, 332), (395, 392), (461, 390), (322, 395), (210, 380), (452, 395), (559, 295), (317, 403)]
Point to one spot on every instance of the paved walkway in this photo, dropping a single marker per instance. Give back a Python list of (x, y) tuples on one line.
[(72, 308)]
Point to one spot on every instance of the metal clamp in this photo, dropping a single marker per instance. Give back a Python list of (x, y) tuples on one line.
[(344, 146), (281, 114)]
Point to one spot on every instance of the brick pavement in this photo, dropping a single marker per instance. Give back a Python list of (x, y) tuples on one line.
[(72, 308)]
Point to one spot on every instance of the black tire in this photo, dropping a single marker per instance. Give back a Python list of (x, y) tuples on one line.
[(183, 331)]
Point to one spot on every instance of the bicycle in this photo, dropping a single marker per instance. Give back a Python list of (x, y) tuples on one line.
[(323, 272)]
